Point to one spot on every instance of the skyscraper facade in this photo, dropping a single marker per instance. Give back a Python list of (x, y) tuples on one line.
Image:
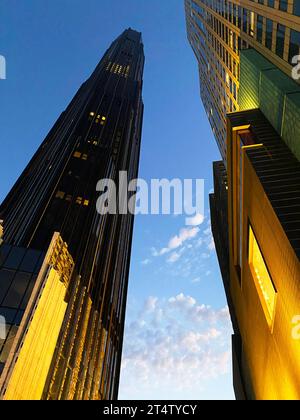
[(64, 266), (246, 52), (219, 29)]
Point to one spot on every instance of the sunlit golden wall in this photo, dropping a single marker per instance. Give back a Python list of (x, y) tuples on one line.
[(28, 365), (30, 372), (271, 358)]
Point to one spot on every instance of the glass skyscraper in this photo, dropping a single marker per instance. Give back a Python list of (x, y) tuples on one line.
[(63, 266), (219, 29)]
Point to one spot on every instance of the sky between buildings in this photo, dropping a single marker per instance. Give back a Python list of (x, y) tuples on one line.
[(177, 341)]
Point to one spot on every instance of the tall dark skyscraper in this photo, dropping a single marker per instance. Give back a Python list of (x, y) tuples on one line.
[(63, 266)]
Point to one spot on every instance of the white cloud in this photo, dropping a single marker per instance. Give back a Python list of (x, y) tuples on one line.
[(180, 345), (146, 262), (196, 220), (182, 301), (176, 242), (150, 304), (174, 257), (184, 235)]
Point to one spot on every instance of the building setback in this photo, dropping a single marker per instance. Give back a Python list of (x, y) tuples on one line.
[(63, 266)]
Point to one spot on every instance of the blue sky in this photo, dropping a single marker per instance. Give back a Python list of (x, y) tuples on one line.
[(177, 342)]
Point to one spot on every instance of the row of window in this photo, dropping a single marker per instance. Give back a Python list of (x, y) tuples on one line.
[(21, 259), (98, 118), (229, 62), (248, 22), (68, 197), (227, 9), (79, 155), (119, 69), (294, 45)]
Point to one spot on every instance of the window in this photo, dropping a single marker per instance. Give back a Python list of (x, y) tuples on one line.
[(251, 24), (17, 290), (259, 30), (69, 198), (91, 116), (245, 19), (4, 251), (294, 45), (77, 155), (60, 195), (8, 315), (27, 295), (296, 8), (263, 282), (271, 3), (269, 34), (30, 261), (280, 40), (261, 1), (6, 277), (283, 5), (15, 258)]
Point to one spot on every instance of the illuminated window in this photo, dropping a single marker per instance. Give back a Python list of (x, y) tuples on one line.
[(84, 157), (92, 114), (86, 203), (69, 198), (77, 155), (262, 279), (251, 24), (78, 200), (60, 195), (227, 79), (103, 118)]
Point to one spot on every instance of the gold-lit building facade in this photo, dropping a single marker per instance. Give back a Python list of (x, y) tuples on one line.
[(64, 262), (264, 254), (246, 53)]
